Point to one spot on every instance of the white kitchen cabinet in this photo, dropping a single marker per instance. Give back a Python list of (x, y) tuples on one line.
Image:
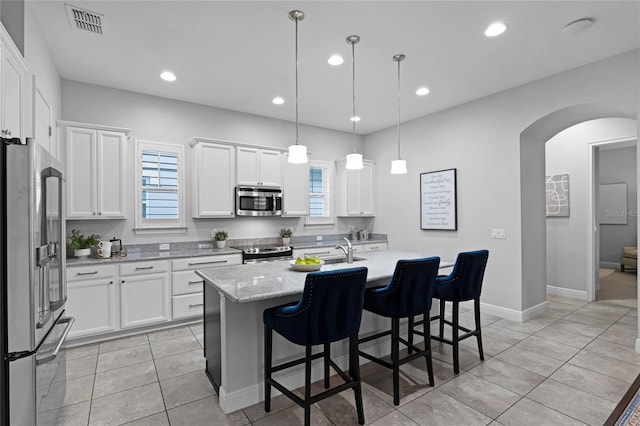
[(14, 74), (374, 246), (187, 286), (355, 190), (295, 189), (144, 293), (258, 167), (91, 299), (213, 180), (96, 172)]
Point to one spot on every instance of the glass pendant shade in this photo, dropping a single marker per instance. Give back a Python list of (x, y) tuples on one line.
[(297, 154), (354, 161), (398, 167)]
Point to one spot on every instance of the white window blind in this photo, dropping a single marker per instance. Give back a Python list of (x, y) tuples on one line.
[(320, 193), (160, 187)]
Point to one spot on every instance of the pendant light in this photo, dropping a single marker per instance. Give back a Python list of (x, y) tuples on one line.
[(354, 160), (297, 152), (399, 166)]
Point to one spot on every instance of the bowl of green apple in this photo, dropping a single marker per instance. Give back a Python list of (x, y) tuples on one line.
[(306, 264)]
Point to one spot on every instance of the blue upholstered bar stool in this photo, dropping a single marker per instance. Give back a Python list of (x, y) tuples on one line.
[(330, 310), (408, 293), (463, 283)]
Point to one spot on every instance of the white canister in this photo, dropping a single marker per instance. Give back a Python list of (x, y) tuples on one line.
[(105, 246), (104, 253)]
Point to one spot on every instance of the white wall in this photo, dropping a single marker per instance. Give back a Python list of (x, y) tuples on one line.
[(619, 166), (164, 120), (567, 152), (42, 66), (482, 140)]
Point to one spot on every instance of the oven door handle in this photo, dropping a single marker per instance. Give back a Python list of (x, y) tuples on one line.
[(51, 356), (274, 203)]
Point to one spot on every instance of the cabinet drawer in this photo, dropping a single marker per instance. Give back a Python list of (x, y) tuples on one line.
[(188, 305), (137, 268), (77, 273), (206, 262), (185, 282), (375, 247)]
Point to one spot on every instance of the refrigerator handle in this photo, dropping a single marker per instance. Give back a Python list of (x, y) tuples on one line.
[(57, 249), (63, 337)]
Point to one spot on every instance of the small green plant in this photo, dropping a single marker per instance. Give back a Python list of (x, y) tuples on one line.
[(221, 235), (78, 241), (285, 233)]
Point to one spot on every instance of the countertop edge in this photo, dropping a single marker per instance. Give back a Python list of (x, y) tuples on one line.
[(149, 256)]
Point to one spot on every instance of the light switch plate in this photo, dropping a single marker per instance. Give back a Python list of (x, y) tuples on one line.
[(165, 246), (498, 234)]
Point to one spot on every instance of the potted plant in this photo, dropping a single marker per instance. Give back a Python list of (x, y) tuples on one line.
[(220, 237), (285, 233), (80, 244)]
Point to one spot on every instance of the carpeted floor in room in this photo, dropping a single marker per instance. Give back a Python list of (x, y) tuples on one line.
[(619, 288)]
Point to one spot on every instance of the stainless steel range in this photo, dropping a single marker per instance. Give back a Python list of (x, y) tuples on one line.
[(265, 253)]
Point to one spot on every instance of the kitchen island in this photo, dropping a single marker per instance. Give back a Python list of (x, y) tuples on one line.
[(235, 298)]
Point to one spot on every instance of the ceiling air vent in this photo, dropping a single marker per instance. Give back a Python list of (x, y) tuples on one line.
[(85, 20)]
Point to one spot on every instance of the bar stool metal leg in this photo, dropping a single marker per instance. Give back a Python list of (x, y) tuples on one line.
[(476, 307), (395, 358), (426, 324), (442, 306), (455, 332), (327, 357), (307, 386), (268, 339), (354, 372)]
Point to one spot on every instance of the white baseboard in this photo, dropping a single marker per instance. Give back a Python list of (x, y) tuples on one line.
[(610, 265), (294, 378), (567, 292), (513, 314)]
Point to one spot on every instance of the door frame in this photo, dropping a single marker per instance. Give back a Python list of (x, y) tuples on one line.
[(593, 229)]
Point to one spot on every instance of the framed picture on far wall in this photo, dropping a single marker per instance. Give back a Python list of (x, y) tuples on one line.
[(438, 200)]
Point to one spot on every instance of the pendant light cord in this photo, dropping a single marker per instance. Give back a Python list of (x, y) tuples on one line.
[(398, 110), (353, 79), (297, 125)]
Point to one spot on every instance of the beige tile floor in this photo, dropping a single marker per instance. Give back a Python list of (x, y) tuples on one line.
[(568, 367)]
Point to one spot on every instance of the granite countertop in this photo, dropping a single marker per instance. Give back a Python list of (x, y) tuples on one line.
[(137, 256), (261, 281), (333, 242)]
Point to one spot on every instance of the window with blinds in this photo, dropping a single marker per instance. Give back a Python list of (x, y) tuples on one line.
[(160, 187), (320, 193)]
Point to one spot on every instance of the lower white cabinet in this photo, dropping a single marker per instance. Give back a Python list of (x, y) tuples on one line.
[(144, 293), (91, 300), (374, 246)]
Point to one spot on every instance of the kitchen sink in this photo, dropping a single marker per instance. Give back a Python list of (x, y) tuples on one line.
[(334, 260)]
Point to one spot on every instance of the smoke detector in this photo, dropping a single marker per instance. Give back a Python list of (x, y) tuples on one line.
[(85, 20), (578, 26)]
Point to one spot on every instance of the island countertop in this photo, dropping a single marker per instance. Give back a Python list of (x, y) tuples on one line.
[(261, 281)]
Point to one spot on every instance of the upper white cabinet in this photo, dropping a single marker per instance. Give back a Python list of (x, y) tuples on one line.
[(13, 88), (355, 190), (96, 171), (213, 181), (259, 167), (295, 189)]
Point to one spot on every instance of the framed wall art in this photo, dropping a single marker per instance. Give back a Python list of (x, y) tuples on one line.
[(438, 200)]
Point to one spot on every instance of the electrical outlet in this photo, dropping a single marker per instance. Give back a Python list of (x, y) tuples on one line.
[(498, 234), (213, 233), (165, 246), (205, 246), (318, 237)]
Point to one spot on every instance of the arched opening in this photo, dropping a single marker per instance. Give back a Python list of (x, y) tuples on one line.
[(532, 187)]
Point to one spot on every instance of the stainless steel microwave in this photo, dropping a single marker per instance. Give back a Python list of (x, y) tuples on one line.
[(258, 201)]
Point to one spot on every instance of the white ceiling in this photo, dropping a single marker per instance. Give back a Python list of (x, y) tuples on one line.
[(239, 55)]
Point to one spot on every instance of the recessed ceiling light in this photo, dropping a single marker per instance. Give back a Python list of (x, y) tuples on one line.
[(495, 29), (578, 26), (422, 91), (356, 118), (335, 60), (168, 76), (278, 100)]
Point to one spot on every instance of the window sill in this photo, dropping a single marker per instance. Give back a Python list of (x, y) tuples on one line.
[(161, 230)]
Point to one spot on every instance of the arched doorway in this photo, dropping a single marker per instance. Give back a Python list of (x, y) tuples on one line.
[(532, 191)]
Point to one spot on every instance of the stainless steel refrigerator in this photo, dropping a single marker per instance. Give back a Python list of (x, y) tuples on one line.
[(33, 326)]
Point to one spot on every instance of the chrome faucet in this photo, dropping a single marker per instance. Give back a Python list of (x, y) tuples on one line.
[(348, 252)]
